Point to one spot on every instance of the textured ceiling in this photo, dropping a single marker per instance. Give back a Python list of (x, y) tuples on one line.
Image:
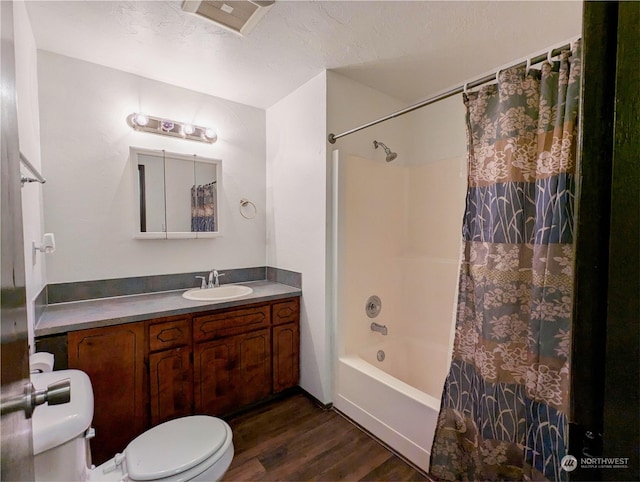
[(407, 49)]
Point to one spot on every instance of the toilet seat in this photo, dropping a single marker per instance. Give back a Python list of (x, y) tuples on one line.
[(174, 451), (174, 447)]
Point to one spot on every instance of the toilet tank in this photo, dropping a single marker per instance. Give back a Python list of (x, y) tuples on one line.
[(60, 440)]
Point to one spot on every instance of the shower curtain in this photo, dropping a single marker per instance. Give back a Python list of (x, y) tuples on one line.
[(504, 407), (203, 199)]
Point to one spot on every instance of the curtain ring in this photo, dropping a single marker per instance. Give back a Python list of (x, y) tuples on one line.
[(549, 59), (528, 67), (464, 88), (498, 75), (243, 203)]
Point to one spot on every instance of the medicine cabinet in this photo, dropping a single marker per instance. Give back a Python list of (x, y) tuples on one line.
[(177, 195)]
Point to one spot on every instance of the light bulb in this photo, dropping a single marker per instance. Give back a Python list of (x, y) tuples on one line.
[(141, 119), (210, 134), (188, 129), (167, 125)]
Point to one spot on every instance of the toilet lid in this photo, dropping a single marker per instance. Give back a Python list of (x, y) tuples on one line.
[(173, 447)]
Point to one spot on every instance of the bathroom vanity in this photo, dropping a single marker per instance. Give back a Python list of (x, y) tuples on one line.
[(211, 361)]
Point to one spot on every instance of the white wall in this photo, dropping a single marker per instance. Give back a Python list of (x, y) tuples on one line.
[(438, 131), (29, 135), (89, 198), (297, 218), (350, 104)]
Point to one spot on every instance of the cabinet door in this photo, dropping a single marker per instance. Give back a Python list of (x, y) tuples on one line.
[(171, 383), (214, 369), (286, 356), (232, 372), (254, 366), (113, 357)]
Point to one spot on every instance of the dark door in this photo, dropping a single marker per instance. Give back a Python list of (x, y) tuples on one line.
[(17, 446), (606, 336)]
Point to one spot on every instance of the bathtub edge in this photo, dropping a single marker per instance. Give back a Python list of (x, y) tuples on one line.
[(396, 441)]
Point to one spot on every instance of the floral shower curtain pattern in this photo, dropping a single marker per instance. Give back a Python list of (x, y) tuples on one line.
[(203, 209), (505, 402)]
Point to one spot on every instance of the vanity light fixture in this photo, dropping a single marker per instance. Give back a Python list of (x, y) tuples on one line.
[(166, 127)]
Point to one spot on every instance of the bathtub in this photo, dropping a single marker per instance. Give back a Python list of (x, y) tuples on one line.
[(397, 399)]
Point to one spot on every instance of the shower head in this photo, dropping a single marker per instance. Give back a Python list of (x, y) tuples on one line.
[(390, 155)]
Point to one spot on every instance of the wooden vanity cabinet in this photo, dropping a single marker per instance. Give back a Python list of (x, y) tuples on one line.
[(170, 368), (211, 363), (113, 357)]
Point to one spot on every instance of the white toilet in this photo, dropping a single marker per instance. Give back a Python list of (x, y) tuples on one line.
[(198, 448)]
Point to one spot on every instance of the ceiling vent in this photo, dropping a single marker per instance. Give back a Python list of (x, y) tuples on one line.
[(239, 16)]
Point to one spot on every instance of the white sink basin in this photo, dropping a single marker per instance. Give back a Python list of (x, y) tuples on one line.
[(225, 292)]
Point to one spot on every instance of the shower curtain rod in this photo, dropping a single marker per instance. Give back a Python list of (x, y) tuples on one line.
[(332, 138)]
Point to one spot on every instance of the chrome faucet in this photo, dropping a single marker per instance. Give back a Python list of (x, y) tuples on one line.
[(379, 328), (214, 281), (203, 283)]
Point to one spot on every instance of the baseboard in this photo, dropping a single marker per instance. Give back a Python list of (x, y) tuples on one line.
[(265, 401), (324, 406)]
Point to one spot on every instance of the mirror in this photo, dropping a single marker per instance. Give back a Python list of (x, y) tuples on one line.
[(150, 181), (177, 195)]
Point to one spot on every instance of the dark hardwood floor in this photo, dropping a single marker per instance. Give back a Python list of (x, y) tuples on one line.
[(295, 439)]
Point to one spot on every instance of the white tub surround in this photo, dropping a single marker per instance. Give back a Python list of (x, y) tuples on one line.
[(398, 237)]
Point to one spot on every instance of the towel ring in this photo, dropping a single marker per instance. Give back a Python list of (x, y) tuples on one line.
[(243, 204)]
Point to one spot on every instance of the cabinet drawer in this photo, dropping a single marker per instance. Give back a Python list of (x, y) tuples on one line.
[(170, 334), (286, 311), (230, 323)]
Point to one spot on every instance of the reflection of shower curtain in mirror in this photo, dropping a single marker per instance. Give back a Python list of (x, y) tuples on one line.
[(203, 208)]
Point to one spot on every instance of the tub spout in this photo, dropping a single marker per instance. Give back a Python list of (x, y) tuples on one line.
[(379, 328)]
